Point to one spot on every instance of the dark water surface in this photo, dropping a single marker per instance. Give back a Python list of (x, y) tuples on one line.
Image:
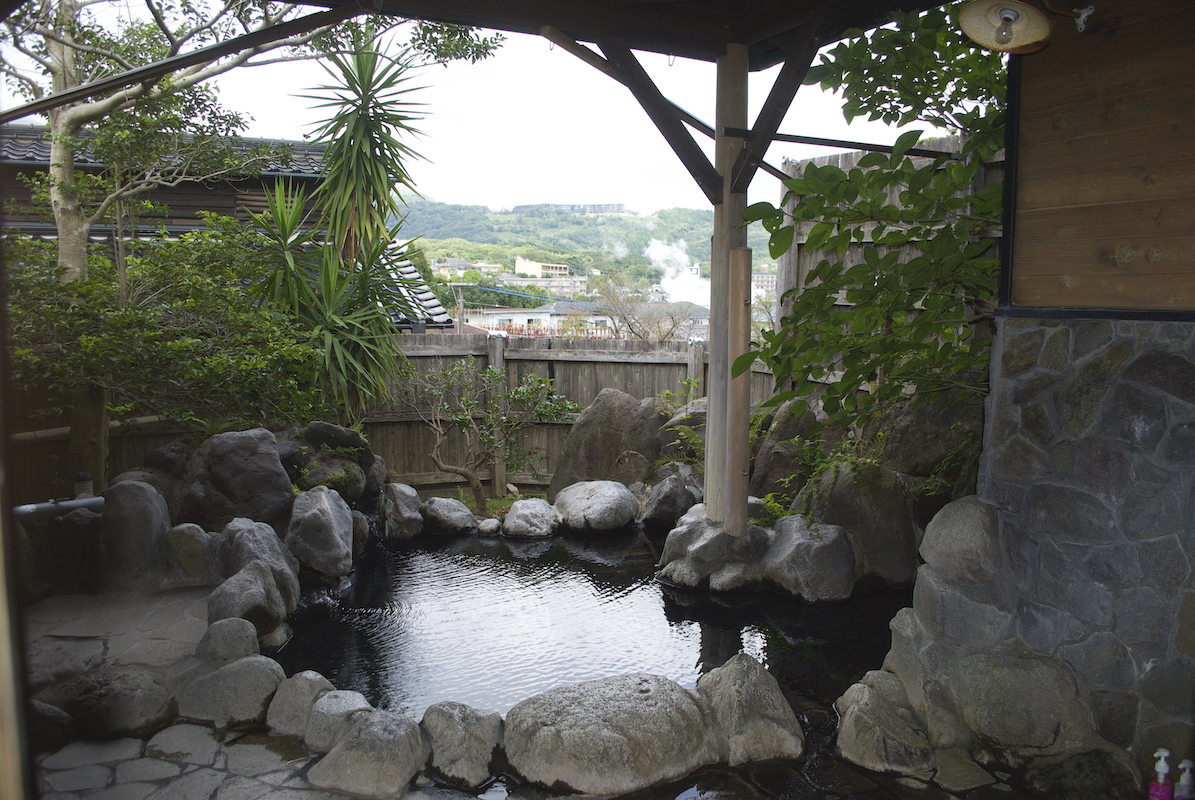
[(491, 621)]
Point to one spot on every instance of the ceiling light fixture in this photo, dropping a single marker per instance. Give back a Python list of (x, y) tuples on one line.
[(1009, 26)]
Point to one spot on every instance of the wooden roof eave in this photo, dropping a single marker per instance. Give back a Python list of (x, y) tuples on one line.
[(699, 29)]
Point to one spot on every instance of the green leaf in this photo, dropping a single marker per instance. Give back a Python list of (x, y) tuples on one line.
[(781, 241), (904, 143)]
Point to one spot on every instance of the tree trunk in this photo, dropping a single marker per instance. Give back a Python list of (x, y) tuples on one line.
[(88, 447), (69, 214)]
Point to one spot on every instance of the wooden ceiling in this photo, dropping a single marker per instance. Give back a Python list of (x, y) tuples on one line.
[(698, 29)]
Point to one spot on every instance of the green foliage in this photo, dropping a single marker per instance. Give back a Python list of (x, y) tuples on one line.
[(611, 243), (345, 311), (187, 343), (669, 402), (901, 317), (441, 41), (773, 507), (488, 415), (343, 289), (364, 164), (849, 454)]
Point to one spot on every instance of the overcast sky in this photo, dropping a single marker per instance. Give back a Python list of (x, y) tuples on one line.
[(535, 124)]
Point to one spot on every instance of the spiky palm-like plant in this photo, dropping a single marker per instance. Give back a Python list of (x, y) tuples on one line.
[(345, 287)]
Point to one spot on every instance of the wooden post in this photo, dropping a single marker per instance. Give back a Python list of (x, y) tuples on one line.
[(496, 352), (695, 368), (738, 410), (728, 233)]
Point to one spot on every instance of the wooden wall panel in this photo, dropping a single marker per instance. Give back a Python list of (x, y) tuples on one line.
[(1106, 177)]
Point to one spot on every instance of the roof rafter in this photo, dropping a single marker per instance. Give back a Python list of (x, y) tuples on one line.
[(665, 117)]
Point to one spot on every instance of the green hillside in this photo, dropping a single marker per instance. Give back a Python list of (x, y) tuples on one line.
[(609, 241)]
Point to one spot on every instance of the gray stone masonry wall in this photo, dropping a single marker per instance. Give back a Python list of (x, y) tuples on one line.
[(1090, 458)]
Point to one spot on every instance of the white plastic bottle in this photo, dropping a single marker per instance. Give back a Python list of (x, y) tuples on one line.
[(1160, 788), (1185, 790)]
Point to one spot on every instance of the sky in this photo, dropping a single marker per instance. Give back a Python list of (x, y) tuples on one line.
[(534, 124)]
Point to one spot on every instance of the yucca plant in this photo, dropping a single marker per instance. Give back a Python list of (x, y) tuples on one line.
[(340, 278), (364, 162)]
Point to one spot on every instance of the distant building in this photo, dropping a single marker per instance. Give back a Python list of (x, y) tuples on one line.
[(453, 266), (537, 269), (559, 318), (609, 208), (764, 282)]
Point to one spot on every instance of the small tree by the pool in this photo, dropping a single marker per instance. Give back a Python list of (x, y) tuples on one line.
[(490, 415)]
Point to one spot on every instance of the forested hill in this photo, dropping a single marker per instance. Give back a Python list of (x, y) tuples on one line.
[(553, 230)]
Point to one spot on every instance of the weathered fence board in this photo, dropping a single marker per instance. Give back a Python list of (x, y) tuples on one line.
[(579, 369)]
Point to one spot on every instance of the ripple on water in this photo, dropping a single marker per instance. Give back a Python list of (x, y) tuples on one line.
[(491, 625)]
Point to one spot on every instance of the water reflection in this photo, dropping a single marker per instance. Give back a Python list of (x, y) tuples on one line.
[(488, 622)]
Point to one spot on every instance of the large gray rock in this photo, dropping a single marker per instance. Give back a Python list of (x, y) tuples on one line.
[(250, 594), (228, 640), (331, 715), (336, 472), (235, 695), (191, 556), (400, 508), (291, 707), (815, 563), (446, 515), (667, 503), (135, 517), (533, 518), (611, 736), (116, 702), (962, 542), (697, 551), (917, 440), (233, 475), (777, 467), (878, 730), (1023, 705), (321, 532), (596, 506), (952, 617), (927, 671), (868, 501), (336, 438), (256, 541), (463, 741), (751, 712), (377, 757), (613, 424)]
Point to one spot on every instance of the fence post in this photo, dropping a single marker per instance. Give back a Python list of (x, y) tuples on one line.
[(496, 352), (695, 367)]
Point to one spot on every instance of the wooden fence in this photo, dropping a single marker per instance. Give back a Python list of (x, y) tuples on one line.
[(579, 369)]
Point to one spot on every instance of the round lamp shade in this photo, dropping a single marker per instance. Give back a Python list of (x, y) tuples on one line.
[(1006, 25)]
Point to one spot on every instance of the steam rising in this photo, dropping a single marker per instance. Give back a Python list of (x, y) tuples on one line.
[(681, 281)]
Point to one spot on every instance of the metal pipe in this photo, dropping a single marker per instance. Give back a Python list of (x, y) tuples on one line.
[(49, 434), (56, 508)]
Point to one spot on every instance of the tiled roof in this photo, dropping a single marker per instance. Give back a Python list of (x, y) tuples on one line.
[(422, 298), (30, 145)]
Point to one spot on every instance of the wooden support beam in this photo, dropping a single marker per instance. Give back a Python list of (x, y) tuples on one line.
[(780, 98), (728, 233), (597, 62), (738, 406), (580, 51), (664, 115)]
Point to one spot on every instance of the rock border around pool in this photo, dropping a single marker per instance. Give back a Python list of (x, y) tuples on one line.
[(609, 736)]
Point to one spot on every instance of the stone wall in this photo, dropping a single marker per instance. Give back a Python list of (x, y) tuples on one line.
[(1090, 460)]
